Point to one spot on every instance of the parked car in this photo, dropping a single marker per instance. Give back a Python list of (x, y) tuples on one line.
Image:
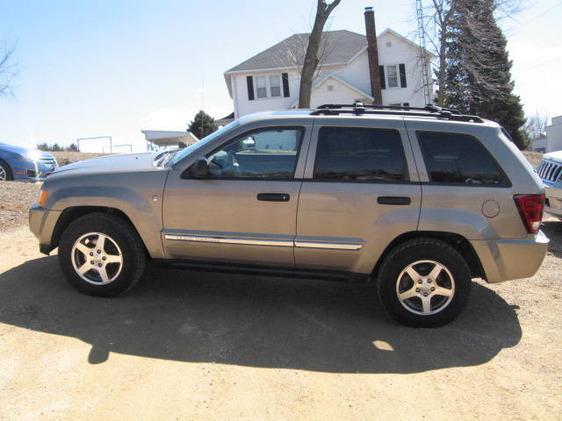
[(418, 200), (25, 164), (550, 172)]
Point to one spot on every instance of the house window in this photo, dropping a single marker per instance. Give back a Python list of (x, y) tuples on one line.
[(261, 86), (392, 76), (275, 85)]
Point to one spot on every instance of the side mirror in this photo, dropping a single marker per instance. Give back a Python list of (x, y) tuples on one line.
[(199, 169)]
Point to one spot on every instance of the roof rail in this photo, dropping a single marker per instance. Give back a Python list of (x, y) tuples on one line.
[(430, 110)]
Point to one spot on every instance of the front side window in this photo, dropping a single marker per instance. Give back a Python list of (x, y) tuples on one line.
[(275, 85), (455, 158), (359, 154), (264, 154), (392, 76), (261, 86)]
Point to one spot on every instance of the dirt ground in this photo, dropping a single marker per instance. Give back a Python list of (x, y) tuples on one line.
[(191, 345)]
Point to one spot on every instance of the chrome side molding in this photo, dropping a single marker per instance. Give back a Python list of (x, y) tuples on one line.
[(264, 243), (330, 246)]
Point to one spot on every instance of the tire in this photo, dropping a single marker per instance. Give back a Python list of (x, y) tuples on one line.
[(5, 169), (408, 274), (122, 258)]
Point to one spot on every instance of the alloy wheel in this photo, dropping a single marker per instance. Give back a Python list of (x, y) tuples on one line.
[(425, 287), (97, 258)]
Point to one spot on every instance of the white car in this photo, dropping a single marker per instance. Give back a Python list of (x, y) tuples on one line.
[(550, 172)]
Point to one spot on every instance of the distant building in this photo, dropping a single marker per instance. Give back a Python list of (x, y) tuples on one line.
[(553, 139), (165, 139), (270, 80)]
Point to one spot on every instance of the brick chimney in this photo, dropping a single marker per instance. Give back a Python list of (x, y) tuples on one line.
[(373, 55)]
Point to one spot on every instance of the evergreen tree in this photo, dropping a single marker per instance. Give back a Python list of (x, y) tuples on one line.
[(202, 125), (479, 70)]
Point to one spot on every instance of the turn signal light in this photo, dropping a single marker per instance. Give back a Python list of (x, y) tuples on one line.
[(530, 208), (43, 196)]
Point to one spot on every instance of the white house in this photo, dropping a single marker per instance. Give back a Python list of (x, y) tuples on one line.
[(270, 80), (553, 139)]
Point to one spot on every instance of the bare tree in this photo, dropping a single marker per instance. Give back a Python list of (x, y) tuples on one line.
[(7, 69), (311, 58), (536, 125)]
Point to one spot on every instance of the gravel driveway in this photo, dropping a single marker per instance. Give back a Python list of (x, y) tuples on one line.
[(187, 345)]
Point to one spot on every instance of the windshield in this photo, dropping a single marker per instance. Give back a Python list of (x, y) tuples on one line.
[(178, 156)]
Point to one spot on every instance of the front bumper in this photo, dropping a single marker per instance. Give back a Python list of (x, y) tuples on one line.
[(553, 203), (42, 224), (503, 260), (28, 170)]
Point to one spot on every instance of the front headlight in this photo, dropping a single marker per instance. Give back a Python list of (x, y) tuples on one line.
[(33, 155)]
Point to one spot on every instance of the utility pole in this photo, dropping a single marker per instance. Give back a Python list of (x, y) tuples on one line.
[(423, 58)]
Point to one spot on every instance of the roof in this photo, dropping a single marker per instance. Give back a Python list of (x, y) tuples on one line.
[(336, 48), (323, 80)]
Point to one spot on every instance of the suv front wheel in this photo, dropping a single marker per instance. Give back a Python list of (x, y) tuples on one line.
[(424, 283), (101, 254)]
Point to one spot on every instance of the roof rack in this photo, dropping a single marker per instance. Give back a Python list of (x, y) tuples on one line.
[(430, 110)]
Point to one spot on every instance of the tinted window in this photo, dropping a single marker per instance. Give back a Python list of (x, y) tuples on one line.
[(459, 159), (358, 154), (267, 154)]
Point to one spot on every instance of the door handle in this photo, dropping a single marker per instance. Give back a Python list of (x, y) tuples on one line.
[(274, 197), (394, 200)]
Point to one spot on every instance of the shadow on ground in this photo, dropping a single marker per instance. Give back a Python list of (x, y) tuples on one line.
[(253, 321)]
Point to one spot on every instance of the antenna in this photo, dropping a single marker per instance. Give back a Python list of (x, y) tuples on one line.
[(423, 57)]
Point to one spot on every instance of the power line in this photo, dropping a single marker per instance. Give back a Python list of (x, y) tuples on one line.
[(541, 63), (535, 18)]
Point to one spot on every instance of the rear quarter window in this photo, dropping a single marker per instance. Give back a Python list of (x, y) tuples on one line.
[(454, 158)]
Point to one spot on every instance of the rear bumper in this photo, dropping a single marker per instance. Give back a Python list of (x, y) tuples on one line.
[(503, 260), (42, 224)]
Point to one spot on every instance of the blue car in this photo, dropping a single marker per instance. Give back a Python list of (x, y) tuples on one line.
[(25, 164)]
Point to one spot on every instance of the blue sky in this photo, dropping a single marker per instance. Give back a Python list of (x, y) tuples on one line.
[(108, 67)]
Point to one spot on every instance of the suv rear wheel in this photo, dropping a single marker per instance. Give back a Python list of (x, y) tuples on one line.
[(101, 255), (424, 283)]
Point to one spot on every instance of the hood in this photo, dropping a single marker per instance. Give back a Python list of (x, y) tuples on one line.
[(125, 163), (554, 156), (24, 151)]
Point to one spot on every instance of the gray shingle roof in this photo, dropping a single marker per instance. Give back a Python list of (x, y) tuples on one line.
[(336, 47)]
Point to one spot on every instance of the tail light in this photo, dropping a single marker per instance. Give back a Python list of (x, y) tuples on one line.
[(530, 208)]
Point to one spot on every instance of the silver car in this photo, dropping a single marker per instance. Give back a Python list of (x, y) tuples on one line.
[(550, 172), (419, 201)]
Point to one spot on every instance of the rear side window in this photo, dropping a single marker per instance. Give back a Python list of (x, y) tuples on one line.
[(455, 158), (359, 154)]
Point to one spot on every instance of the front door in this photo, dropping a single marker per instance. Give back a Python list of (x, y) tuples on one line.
[(245, 210)]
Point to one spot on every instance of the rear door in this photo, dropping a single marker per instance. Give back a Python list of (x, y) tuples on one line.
[(360, 191)]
